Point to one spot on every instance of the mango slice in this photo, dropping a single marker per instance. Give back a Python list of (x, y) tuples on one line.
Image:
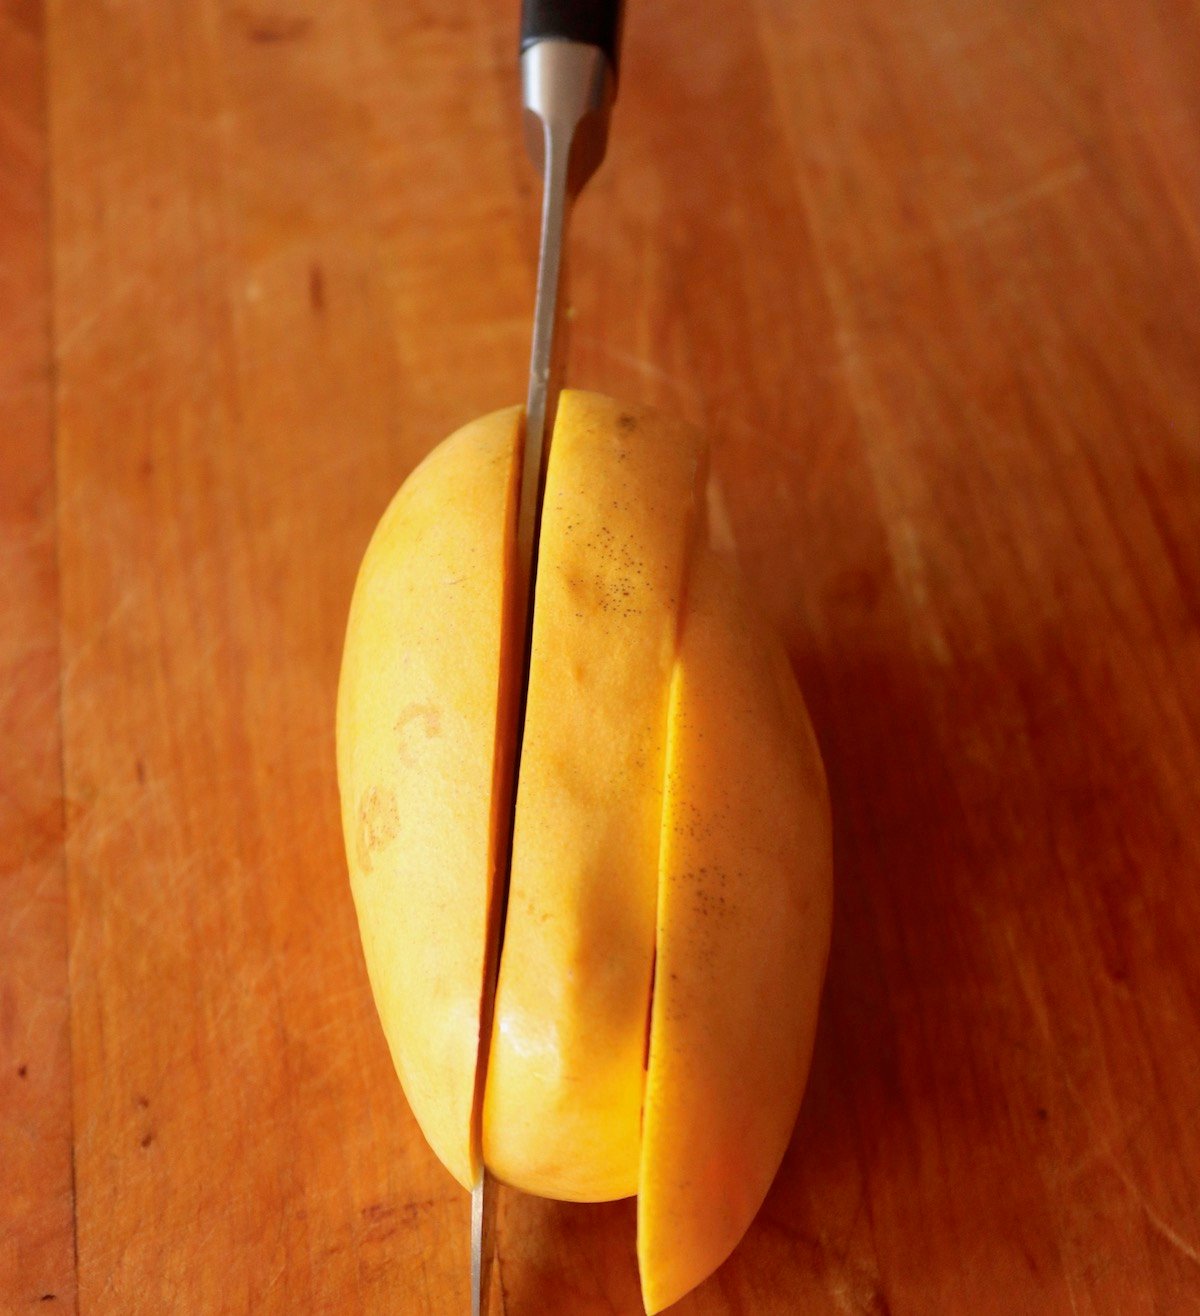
[(743, 935), (423, 756), (563, 1101)]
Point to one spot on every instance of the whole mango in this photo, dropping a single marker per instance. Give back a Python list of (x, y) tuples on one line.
[(663, 927)]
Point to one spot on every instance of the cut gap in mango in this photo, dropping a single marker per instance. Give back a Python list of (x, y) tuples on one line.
[(699, 515), (504, 770)]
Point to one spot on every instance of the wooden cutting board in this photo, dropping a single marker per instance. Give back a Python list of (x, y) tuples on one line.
[(929, 273)]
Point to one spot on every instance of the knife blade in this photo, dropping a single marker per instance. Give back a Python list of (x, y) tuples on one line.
[(569, 63)]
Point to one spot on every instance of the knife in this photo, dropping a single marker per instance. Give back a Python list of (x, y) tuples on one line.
[(569, 61)]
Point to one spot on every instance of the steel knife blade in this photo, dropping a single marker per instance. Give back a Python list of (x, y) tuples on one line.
[(569, 62)]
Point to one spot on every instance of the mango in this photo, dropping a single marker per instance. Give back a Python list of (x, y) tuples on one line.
[(563, 1105), (665, 923), (744, 908), (423, 758)]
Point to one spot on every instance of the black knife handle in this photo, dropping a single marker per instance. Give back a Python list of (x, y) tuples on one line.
[(593, 22)]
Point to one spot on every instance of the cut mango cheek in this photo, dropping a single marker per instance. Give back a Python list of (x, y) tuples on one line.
[(562, 1110), (423, 748), (742, 938)]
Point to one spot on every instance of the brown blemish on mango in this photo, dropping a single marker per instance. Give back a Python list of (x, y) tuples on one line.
[(430, 718), (378, 823)]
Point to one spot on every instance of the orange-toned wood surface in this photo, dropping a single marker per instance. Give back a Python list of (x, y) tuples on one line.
[(929, 272), (36, 1256)]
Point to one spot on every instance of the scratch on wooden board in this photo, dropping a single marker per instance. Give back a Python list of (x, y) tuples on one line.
[(51, 878), (887, 481), (1105, 1146), (22, 542), (74, 336), (273, 1282), (92, 838), (51, 691), (858, 1292), (910, 564), (839, 1248), (1071, 1292), (246, 989), (1041, 1016), (891, 478), (983, 216), (720, 525), (97, 633), (336, 1006), (647, 369), (37, 1001), (499, 1266), (1100, 1148), (1164, 1228), (1108, 1151), (241, 995)]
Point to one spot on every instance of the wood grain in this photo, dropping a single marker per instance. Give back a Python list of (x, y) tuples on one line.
[(929, 273), (36, 1246)]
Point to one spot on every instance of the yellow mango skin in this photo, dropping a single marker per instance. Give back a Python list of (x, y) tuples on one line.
[(563, 1099), (745, 902), (424, 752)]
